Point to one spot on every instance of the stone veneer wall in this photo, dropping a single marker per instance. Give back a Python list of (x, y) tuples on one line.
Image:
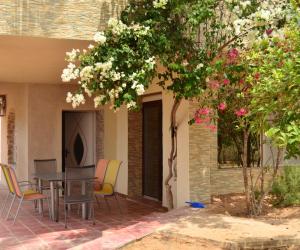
[(73, 19), (202, 158), (11, 118), (135, 147), (100, 134)]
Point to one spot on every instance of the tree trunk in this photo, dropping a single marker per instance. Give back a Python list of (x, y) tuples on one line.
[(245, 171), (173, 154)]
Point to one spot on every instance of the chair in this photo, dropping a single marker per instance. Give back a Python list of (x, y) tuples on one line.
[(109, 182), (10, 188), (79, 188), (22, 196), (100, 174), (45, 167)]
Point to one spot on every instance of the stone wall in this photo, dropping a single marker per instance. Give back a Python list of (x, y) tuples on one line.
[(73, 19), (11, 154), (135, 154), (99, 135), (202, 158)]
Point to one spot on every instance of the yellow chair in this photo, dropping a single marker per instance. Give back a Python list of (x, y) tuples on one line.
[(11, 191), (109, 182), (22, 196)]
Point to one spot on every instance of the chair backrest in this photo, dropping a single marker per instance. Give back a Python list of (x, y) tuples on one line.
[(112, 172), (45, 166), (7, 177), (15, 183), (100, 171), (79, 182)]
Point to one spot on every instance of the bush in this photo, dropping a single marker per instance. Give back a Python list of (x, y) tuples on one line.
[(286, 187)]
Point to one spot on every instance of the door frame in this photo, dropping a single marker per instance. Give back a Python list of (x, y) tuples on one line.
[(63, 133), (154, 103)]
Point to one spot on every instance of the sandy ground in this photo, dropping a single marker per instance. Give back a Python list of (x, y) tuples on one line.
[(223, 224), (160, 241)]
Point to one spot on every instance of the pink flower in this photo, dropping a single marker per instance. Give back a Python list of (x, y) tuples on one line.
[(213, 128), (269, 31), (233, 54), (242, 81), (241, 112), (214, 84), (257, 76), (226, 81), (222, 106), (203, 111), (198, 120)]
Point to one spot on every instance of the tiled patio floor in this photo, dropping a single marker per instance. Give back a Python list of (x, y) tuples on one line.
[(32, 231)]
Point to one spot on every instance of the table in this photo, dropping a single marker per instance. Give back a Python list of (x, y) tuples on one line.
[(53, 179)]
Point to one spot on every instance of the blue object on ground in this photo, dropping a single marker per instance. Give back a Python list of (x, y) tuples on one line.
[(196, 204)]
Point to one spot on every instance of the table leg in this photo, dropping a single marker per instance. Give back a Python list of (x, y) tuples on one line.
[(57, 201), (40, 202), (84, 205), (52, 194)]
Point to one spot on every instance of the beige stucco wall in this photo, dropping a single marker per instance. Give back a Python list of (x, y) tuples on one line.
[(17, 102), (75, 19)]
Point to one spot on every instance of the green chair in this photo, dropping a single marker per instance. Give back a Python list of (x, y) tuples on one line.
[(109, 182)]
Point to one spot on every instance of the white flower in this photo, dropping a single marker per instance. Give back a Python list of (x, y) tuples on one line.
[(69, 97), (140, 89), (131, 104), (71, 56), (160, 4), (99, 37), (244, 4), (91, 46), (76, 99), (133, 86), (70, 73), (116, 76), (124, 85), (117, 26), (86, 73), (151, 62), (98, 100), (200, 65)]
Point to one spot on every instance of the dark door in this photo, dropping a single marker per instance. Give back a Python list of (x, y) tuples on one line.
[(152, 149)]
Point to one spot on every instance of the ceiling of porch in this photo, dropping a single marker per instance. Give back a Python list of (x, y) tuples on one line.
[(34, 60)]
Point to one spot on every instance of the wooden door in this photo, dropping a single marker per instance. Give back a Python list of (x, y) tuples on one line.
[(152, 149)]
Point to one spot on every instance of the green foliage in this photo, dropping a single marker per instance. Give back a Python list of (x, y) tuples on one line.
[(286, 187)]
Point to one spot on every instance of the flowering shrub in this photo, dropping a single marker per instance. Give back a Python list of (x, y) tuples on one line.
[(256, 90), (110, 72)]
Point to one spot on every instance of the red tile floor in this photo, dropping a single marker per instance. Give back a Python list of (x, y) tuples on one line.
[(112, 230)]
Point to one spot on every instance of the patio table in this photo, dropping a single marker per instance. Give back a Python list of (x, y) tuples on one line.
[(53, 179)]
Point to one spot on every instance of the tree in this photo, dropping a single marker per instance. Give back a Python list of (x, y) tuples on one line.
[(184, 36), (257, 91)]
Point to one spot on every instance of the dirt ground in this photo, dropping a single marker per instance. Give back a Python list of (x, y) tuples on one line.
[(160, 241), (229, 205), (234, 205)]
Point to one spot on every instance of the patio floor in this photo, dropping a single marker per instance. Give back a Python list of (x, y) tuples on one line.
[(112, 230)]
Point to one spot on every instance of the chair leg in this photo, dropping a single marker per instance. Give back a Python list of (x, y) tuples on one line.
[(4, 205), (106, 201), (118, 203), (98, 202), (18, 210), (11, 205), (66, 215), (49, 208), (93, 211)]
